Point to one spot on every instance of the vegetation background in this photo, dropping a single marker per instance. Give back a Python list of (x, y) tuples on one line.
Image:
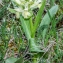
[(14, 47)]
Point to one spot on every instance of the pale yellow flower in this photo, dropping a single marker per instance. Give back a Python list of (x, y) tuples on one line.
[(25, 6), (18, 2), (26, 14)]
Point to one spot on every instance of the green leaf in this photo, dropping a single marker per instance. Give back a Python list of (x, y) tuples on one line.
[(46, 20), (33, 47), (25, 27), (19, 60), (11, 60), (12, 10), (38, 17)]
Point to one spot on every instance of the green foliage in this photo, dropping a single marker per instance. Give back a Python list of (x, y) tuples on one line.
[(46, 21), (2, 11), (36, 39), (11, 60), (38, 17)]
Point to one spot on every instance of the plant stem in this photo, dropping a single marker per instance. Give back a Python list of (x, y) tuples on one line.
[(35, 58), (31, 26), (38, 18)]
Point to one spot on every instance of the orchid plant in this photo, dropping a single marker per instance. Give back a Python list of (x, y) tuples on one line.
[(24, 11)]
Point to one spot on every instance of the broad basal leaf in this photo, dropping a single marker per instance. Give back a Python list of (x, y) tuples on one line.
[(11, 60), (33, 47), (46, 20)]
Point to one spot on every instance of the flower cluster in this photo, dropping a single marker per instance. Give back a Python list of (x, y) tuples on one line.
[(25, 7)]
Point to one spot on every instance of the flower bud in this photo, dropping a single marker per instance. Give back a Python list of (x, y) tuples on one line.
[(26, 14)]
